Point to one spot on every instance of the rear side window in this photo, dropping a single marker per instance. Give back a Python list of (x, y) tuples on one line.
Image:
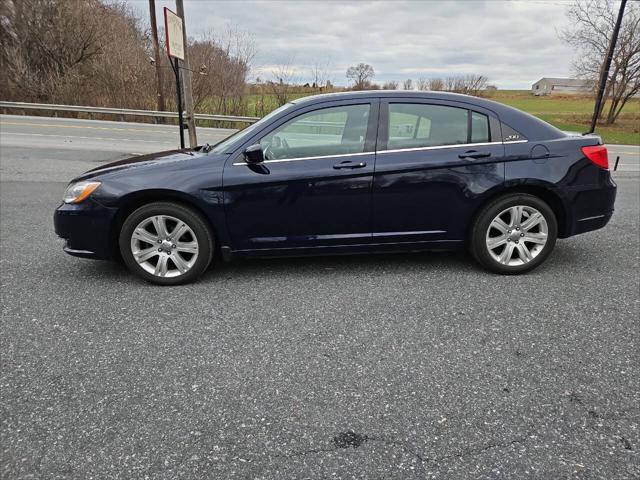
[(479, 128), (412, 125)]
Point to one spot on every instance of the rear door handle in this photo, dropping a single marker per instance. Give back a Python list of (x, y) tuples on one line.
[(474, 154), (349, 164)]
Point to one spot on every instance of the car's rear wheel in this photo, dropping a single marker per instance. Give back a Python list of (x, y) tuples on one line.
[(166, 243), (514, 234)]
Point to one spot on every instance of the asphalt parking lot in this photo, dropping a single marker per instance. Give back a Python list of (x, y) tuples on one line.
[(388, 366)]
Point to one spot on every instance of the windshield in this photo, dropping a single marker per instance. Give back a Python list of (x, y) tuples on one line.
[(237, 138)]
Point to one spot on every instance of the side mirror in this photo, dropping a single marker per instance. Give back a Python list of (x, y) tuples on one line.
[(253, 154)]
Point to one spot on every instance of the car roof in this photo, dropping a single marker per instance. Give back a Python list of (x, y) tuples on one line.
[(419, 94), (532, 127)]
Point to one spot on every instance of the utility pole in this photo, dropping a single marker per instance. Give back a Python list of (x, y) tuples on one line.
[(176, 70), (186, 80), (156, 55), (604, 72)]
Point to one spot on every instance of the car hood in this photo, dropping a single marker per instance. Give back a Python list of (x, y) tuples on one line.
[(149, 161)]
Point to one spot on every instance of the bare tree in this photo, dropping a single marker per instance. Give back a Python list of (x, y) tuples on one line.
[(390, 85), (473, 84), (90, 52), (77, 52), (47, 41), (436, 84), (222, 64), (422, 84), (361, 75), (407, 84), (452, 84), (121, 76), (319, 75), (284, 80), (591, 28), (8, 43), (469, 84)]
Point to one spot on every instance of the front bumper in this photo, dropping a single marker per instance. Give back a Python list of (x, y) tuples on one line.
[(86, 229)]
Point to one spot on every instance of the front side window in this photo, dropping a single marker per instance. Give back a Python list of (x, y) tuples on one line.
[(325, 132), (227, 145)]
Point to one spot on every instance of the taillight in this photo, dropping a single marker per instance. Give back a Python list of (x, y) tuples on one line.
[(598, 155)]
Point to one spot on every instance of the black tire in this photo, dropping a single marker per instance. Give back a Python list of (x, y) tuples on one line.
[(199, 229), (478, 237)]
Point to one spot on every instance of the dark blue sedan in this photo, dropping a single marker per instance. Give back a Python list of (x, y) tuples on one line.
[(348, 173)]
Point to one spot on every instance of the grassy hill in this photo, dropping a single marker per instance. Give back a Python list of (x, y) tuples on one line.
[(570, 112)]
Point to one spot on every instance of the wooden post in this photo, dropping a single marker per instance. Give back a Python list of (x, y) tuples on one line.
[(156, 55), (186, 80)]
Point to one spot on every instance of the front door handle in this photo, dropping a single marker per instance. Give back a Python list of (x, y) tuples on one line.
[(474, 154), (349, 164)]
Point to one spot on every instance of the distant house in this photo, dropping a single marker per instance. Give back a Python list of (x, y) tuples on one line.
[(550, 86)]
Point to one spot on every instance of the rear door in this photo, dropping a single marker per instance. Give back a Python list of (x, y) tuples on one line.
[(434, 159), (314, 187)]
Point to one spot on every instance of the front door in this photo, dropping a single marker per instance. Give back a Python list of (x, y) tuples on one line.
[(314, 187), (434, 159)]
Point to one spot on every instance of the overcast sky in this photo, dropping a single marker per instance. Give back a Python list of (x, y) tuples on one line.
[(513, 43)]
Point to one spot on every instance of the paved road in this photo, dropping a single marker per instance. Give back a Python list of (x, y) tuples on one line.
[(392, 366), (71, 146)]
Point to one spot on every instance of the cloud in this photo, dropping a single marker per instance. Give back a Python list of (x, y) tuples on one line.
[(512, 43)]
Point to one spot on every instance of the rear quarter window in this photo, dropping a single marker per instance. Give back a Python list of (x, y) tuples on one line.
[(511, 135)]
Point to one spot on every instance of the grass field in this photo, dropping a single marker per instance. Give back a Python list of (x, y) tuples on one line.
[(574, 113), (565, 112)]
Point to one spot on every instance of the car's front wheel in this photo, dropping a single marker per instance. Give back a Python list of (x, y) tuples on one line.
[(166, 243), (514, 234)]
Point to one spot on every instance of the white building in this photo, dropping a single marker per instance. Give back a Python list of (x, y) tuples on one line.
[(550, 86)]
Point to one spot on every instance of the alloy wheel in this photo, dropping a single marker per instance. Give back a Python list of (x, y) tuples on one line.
[(164, 246), (517, 235)]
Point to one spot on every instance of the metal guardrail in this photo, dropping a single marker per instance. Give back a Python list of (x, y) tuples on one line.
[(121, 111)]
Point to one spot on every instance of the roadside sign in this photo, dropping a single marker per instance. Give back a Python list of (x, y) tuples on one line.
[(173, 32)]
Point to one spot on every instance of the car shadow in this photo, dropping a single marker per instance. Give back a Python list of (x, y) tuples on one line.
[(241, 268), (354, 263), (446, 263)]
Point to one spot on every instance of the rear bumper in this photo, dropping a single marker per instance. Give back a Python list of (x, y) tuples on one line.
[(592, 223), (86, 229), (591, 208)]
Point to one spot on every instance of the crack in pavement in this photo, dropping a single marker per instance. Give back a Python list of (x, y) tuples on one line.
[(600, 428), (350, 439), (421, 459), (404, 448), (302, 453), (481, 450)]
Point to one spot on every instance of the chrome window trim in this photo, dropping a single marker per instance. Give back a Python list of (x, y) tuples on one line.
[(438, 147), (309, 158), (398, 150)]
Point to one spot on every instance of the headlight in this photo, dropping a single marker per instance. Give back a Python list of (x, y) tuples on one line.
[(77, 192)]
